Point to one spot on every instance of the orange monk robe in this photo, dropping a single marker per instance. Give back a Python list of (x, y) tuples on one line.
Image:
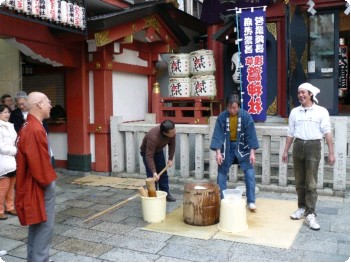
[(34, 172)]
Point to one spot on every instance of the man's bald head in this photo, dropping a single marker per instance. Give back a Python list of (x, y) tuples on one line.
[(34, 98), (39, 105)]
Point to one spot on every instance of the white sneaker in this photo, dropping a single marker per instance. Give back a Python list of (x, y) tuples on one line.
[(311, 221), (3, 253), (298, 214), (252, 207)]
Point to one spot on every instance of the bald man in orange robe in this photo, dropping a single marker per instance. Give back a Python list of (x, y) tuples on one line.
[(35, 186)]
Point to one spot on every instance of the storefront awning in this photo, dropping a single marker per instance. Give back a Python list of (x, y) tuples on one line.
[(30, 53)]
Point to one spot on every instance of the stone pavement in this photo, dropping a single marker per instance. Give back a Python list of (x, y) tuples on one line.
[(117, 236)]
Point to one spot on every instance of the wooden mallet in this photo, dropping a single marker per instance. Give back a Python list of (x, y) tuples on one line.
[(150, 183), (142, 192)]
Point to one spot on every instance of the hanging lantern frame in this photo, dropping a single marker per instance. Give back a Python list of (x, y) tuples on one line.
[(43, 20)]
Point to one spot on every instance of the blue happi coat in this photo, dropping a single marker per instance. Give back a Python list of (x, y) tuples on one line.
[(246, 137)]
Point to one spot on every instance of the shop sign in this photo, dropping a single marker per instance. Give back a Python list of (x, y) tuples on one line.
[(253, 60)]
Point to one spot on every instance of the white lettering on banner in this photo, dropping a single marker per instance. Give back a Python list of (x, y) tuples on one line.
[(254, 63), (259, 34)]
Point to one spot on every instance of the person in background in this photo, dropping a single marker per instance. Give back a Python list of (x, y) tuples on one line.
[(36, 179), (308, 124), (7, 163), (19, 115), (151, 150), (6, 99), (234, 140)]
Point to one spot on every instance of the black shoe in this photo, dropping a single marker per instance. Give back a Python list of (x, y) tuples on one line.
[(170, 198)]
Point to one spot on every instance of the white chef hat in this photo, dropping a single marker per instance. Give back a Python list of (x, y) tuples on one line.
[(314, 90)]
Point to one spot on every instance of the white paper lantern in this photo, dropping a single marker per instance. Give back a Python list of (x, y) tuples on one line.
[(10, 4), (57, 11), (76, 15), (64, 15), (83, 22), (35, 8), (27, 7), (50, 9), (42, 12), (19, 5), (70, 13)]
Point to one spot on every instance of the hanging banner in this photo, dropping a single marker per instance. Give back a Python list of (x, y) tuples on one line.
[(253, 59)]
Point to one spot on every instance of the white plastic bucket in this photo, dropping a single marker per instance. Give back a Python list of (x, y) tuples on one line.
[(232, 194), (233, 216), (154, 208)]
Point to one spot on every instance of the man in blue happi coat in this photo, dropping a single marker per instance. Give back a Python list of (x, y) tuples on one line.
[(234, 140)]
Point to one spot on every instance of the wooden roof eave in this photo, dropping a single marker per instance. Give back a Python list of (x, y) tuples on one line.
[(227, 29), (168, 38), (184, 19), (131, 18)]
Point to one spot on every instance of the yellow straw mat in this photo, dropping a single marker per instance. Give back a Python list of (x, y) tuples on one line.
[(269, 226), (174, 225), (115, 182)]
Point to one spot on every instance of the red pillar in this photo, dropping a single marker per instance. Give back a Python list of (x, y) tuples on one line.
[(102, 77), (217, 48), (77, 107)]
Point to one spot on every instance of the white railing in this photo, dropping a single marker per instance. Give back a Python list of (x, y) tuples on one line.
[(126, 139)]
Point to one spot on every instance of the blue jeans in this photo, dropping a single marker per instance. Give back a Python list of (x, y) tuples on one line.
[(249, 173), (160, 163)]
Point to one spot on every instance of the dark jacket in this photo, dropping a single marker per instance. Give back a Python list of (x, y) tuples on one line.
[(154, 142), (17, 119), (246, 134)]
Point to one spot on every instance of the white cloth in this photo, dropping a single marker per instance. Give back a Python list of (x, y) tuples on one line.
[(8, 148), (314, 90), (309, 123), (25, 114)]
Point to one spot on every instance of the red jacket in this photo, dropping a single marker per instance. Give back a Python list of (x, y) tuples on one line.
[(34, 172)]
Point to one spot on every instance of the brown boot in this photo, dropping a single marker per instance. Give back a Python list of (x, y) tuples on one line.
[(11, 212), (3, 217)]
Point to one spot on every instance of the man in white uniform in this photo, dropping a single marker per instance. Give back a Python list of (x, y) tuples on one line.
[(308, 124)]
